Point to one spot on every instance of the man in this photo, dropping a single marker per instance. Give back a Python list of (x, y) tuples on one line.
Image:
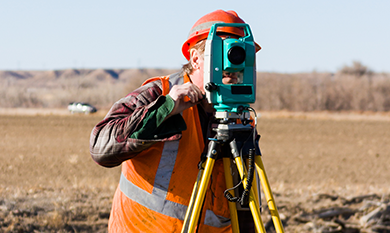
[(158, 133)]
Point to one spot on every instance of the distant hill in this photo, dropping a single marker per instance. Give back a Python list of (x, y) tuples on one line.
[(56, 77), (352, 88)]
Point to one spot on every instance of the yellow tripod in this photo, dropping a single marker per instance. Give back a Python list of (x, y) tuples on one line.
[(226, 136)]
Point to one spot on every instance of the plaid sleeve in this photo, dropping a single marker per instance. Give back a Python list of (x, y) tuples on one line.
[(110, 141)]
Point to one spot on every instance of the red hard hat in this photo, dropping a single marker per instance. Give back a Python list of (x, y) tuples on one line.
[(201, 28)]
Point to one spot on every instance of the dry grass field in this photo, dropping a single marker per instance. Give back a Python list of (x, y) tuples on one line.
[(328, 172)]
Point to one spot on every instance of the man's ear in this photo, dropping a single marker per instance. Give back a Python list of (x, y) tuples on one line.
[(194, 58)]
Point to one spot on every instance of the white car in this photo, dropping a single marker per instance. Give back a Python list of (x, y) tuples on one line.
[(80, 107)]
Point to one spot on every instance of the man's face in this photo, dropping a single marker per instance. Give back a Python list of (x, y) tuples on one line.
[(231, 78)]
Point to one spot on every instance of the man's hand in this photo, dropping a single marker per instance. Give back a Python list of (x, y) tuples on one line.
[(185, 96)]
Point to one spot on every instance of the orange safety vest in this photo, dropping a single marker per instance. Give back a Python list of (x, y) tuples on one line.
[(155, 186)]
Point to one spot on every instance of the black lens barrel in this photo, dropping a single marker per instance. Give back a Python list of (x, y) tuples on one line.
[(236, 55)]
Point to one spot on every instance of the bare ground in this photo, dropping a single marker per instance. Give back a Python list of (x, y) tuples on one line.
[(329, 172)]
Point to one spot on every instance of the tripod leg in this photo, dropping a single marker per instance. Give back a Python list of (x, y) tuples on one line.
[(268, 194), (192, 200), (232, 205), (200, 195), (253, 205)]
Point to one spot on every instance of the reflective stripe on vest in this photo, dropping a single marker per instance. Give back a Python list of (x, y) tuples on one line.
[(156, 200)]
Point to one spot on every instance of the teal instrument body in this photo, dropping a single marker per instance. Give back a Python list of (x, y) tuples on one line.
[(230, 55)]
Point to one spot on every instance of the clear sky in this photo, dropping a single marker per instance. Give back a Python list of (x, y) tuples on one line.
[(296, 36)]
